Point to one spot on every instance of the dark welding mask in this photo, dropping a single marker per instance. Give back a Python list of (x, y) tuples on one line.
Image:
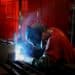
[(34, 35)]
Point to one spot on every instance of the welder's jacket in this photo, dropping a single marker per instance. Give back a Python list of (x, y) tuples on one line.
[(60, 47)]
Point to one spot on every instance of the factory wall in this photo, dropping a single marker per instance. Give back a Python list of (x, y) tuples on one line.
[(9, 14), (55, 13)]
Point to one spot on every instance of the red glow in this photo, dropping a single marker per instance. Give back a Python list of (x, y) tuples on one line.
[(9, 10), (54, 12), (24, 8)]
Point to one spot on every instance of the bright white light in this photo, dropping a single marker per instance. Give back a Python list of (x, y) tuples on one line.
[(28, 59), (22, 57), (44, 55), (18, 55)]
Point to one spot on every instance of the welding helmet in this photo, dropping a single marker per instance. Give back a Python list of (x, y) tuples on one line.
[(34, 35)]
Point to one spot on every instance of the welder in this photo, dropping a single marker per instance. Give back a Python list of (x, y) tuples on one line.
[(33, 37), (58, 52), (58, 49)]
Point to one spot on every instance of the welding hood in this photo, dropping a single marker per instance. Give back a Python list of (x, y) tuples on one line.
[(34, 35)]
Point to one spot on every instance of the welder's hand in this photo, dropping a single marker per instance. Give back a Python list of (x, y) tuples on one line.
[(44, 62), (35, 62)]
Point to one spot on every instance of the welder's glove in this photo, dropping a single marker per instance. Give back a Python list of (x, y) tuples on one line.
[(35, 62), (44, 62)]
